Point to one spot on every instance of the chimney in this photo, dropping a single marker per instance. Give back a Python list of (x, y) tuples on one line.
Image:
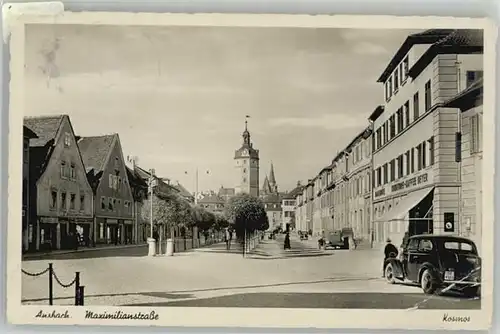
[(298, 184)]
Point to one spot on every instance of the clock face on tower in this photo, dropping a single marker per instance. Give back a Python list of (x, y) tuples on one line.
[(245, 152)]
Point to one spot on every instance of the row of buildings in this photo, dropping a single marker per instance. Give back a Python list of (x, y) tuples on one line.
[(82, 189), (416, 167)]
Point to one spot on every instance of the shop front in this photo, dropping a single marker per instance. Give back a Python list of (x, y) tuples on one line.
[(128, 232), (47, 234), (404, 208)]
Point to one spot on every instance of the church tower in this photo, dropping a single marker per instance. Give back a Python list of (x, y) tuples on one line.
[(247, 165)]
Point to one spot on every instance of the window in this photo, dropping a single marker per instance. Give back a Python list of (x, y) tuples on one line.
[(473, 76), (72, 171), (387, 91), (413, 244), (419, 157), (393, 170), (390, 86), (401, 74), (407, 113), (431, 151), (379, 177), (117, 163), (386, 132), (63, 200), (110, 204), (53, 199), (416, 106), (63, 168), (385, 172), (67, 139), (72, 200), (396, 80), (82, 202), (111, 180), (392, 127), (399, 114), (101, 230), (412, 160), (424, 155), (428, 96), (400, 166), (244, 180), (475, 134), (103, 203), (404, 74), (244, 170), (408, 162), (454, 245), (379, 138), (425, 245)]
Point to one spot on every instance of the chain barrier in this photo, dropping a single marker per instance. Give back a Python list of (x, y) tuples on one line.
[(35, 274), (62, 284), (79, 289)]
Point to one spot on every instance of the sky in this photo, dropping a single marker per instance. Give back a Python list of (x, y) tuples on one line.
[(178, 96)]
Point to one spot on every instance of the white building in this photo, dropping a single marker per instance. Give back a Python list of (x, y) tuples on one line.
[(415, 176), (470, 102), (289, 207)]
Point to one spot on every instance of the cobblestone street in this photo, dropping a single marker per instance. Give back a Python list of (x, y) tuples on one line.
[(212, 272)]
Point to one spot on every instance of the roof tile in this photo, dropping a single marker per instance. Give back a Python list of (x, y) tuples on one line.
[(95, 150)]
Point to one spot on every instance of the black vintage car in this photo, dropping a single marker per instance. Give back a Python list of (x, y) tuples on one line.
[(437, 262)]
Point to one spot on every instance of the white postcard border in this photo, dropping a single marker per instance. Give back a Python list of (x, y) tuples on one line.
[(246, 317)]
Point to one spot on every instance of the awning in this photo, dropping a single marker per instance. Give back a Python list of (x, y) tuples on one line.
[(406, 204)]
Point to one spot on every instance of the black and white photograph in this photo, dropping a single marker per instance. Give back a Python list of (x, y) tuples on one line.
[(196, 167)]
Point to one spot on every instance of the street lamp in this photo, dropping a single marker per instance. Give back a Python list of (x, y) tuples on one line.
[(151, 240)]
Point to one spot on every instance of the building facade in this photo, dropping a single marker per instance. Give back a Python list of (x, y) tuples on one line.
[(113, 200), (60, 196), (28, 241), (247, 166), (289, 208), (470, 103), (416, 180), (212, 202)]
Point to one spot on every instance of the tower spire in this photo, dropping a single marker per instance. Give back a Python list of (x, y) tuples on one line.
[(246, 133)]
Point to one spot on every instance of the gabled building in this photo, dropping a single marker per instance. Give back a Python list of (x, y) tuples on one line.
[(107, 174), (212, 202), (184, 193), (27, 224), (60, 195), (226, 193)]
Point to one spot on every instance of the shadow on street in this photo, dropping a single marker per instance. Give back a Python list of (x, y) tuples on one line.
[(327, 300)]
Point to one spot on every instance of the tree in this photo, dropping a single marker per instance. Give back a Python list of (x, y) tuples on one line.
[(169, 210), (247, 214), (220, 222)]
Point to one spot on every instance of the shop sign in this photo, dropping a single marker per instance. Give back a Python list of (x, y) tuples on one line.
[(412, 182)]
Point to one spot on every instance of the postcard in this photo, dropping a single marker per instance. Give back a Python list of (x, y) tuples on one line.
[(231, 170)]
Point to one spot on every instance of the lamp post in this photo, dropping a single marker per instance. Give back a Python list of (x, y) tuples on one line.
[(151, 239)]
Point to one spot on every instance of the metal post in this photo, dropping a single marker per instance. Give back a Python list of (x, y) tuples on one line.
[(459, 169), (81, 293), (151, 200), (77, 288), (51, 285)]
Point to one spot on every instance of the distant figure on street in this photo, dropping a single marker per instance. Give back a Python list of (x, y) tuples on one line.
[(287, 241), (228, 237), (390, 251)]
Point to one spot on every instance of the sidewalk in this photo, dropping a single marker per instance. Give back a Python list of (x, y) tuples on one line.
[(42, 255)]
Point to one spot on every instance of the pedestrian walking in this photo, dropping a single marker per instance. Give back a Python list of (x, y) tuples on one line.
[(390, 251), (287, 241)]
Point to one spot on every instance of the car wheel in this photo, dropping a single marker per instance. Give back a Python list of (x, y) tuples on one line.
[(428, 282), (389, 274)]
